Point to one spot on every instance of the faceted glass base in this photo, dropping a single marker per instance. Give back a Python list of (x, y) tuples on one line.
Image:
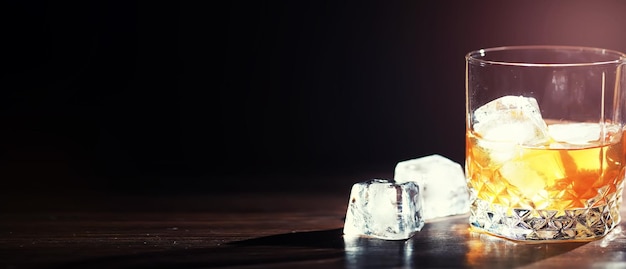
[(581, 224)]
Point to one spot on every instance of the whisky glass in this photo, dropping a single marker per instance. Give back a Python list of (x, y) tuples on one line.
[(545, 147)]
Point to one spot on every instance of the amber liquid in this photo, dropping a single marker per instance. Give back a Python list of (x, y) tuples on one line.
[(552, 191), (547, 177)]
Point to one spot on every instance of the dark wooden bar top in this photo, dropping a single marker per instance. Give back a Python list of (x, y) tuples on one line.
[(254, 230)]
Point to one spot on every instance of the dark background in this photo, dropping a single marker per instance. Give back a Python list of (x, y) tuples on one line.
[(205, 96)]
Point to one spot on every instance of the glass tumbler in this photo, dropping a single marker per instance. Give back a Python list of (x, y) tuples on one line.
[(545, 149)]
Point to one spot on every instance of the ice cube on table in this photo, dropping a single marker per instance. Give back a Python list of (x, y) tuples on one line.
[(383, 209), (515, 119), (442, 182)]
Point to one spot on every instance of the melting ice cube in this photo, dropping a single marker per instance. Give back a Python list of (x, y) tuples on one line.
[(515, 119), (383, 209), (442, 181), (582, 134)]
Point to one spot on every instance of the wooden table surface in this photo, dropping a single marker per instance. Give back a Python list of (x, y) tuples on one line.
[(254, 230)]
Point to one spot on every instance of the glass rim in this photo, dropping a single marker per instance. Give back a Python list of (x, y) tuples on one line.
[(474, 56)]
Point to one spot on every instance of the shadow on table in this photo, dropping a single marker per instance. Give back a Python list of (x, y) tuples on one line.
[(438, 245), (447, 244), (331, 239), (325, 248)]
